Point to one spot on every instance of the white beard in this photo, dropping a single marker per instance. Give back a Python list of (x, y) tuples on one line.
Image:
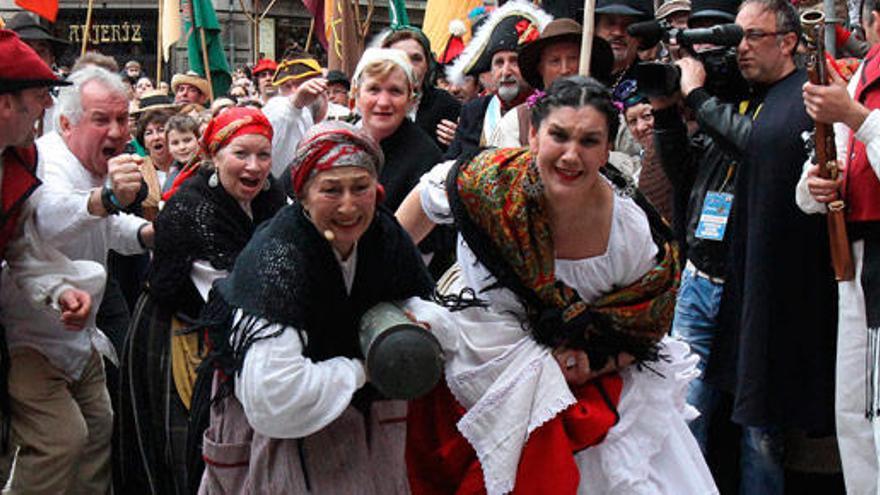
[(508, 92)]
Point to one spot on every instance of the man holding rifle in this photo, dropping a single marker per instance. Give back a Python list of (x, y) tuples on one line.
[(853, 111)]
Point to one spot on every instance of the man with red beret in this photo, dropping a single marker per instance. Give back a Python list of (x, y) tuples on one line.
[(263, 72), (61, 418), (43, 274), (25, 82)]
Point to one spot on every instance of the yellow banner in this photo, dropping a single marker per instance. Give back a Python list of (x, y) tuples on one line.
[(439, 13)]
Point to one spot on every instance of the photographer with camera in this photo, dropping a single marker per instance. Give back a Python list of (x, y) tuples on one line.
[(771, 339), (702, 169)]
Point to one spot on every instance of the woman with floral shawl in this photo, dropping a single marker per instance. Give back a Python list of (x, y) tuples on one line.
[(567, 275)]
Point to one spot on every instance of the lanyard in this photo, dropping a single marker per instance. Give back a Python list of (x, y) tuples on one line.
[(744, 107)]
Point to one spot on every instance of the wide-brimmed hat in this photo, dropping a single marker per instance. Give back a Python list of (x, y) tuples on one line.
[(298, 67), (155, 99), (724, 10), (558, 31), (21, 67), (671, 7), (192, 79), (265, 65), (508, 28), (29, 27), (643, 9)]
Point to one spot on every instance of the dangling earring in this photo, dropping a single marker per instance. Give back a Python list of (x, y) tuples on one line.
[(213, 180), (532, 185), (307, 214), (266, 184)]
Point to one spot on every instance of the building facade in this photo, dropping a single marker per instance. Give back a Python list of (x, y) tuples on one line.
[(127, 29)]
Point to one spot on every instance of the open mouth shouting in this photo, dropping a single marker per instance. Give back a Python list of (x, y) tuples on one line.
[(250, 182), (109, 152)]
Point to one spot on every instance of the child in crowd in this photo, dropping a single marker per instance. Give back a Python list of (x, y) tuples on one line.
[(182, 136)]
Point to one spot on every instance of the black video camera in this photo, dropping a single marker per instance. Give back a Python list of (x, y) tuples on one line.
[(723, 78)]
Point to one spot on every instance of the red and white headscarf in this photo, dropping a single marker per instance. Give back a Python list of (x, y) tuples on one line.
[(226, 126), (333, 144)]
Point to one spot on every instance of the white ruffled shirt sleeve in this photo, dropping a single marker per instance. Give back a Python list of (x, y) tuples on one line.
[(289, 124), (203, 275), (44, 273), (868, 133), (433, 196), (287, 395)]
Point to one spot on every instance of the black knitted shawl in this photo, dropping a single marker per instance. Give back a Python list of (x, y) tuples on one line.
[(289, 275), (202, 223)]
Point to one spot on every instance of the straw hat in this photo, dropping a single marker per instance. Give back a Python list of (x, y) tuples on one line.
[(192, 79)]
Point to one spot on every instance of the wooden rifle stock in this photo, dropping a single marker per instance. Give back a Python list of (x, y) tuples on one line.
[(813, 22)]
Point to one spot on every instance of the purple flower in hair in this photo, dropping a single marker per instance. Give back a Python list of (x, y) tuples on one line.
[(618, 105), (534, 98)]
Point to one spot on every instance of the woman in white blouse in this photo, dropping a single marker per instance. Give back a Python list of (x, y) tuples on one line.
[(565, 277)]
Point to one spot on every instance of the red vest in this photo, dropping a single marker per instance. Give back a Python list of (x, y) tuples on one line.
[(19, 181), (860, 184)]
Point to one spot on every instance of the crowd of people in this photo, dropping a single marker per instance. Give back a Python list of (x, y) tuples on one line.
[(629, 275)]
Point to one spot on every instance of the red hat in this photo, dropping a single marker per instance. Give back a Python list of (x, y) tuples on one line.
[(226, 126), (263, 65), (455, 45), (21, 67), (234, 122)]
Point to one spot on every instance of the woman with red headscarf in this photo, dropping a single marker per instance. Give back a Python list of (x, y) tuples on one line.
[(211, 215)]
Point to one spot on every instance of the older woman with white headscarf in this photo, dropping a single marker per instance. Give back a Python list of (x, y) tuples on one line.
[(384, 87)]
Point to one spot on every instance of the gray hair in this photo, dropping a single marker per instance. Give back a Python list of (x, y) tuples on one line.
[(787, 16), (70, 97)]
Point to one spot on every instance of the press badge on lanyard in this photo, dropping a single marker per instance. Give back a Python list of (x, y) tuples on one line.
[(717, 205), (713, 218)]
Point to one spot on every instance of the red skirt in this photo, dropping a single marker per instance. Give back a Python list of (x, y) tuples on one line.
[(440, 461)]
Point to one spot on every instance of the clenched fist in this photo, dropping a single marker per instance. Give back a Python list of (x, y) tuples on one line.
[(125, 177), (309, 91), (75, 307)]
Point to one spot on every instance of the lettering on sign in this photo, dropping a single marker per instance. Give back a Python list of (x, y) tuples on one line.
[(106, 33)]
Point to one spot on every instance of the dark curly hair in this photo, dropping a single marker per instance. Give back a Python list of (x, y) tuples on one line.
[(577, 91), (159, 116)]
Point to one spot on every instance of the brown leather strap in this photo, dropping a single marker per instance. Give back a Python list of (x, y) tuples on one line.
[(522, 113)]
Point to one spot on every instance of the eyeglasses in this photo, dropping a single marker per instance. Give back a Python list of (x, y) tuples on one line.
[(754, 36)]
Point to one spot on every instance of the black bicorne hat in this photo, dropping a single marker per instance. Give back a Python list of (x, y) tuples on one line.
[(714, 9)]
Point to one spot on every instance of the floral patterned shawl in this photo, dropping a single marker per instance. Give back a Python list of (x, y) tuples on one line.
[(500, 209)]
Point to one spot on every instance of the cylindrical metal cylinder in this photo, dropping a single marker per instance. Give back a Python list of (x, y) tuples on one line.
[(404, 361)]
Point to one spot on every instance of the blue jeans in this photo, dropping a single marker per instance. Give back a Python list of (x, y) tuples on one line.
[(696, 321)]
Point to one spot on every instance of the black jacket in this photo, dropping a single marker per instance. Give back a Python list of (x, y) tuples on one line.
[(705, 162), (470, 128), (776, 348), (435, 106)]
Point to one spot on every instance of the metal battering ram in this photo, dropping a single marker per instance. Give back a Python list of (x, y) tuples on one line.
[(404, 361)]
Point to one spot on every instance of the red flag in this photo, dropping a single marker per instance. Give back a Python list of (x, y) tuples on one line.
[(47, 9), (316, 8)]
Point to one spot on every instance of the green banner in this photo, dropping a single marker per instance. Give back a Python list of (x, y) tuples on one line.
[(200, 14)]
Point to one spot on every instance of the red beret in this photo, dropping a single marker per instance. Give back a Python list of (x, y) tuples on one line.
[(263, 65), (21, 67)]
